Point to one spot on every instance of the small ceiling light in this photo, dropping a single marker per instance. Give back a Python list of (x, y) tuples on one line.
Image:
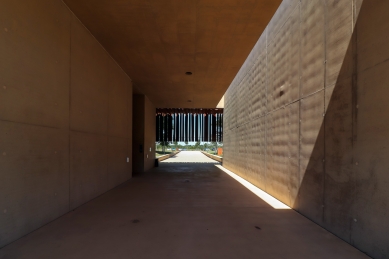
[(188, 73)]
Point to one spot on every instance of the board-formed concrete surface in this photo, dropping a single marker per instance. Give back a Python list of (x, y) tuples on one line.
[(306, 118), (65, 116), (189, 157), (180, 210)]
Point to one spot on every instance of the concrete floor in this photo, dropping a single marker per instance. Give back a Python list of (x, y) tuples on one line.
[(180, 210)]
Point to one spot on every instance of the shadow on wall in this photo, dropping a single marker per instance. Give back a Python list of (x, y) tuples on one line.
[(344, 163)]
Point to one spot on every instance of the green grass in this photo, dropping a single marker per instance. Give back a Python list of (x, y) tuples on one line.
[(213, 153), (160, 153)]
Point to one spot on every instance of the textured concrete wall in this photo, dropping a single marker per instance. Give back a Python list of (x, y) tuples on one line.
[(65, 116), (144, 134), (306, 117)]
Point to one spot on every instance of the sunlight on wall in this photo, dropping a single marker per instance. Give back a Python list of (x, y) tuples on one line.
[(221, 103), (261, 194)]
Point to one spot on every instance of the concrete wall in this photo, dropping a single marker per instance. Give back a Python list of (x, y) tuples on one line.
[(149, 154), (144, 134), (138, 141), (306, 118), (65, 116)]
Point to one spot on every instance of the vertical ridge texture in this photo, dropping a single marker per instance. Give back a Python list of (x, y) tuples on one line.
[(306, 116)]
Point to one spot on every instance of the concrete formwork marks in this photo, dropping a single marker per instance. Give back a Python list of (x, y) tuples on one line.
[(119, 170), (258, 94), (88, 167), (312, 46), (277, 176), (338, 31), (65, 113), (370, 161), (339, 176), (27, 57), (293, 162), (34, 177), (310, 197), (319, 112), (372, 52)]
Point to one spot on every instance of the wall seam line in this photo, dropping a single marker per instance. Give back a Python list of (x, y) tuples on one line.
[(299, 121), (354, 102), (324, 109), (74, 15), (70, 96), (266, 92)]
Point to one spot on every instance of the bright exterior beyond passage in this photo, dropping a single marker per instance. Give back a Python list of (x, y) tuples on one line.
[(190, 157)]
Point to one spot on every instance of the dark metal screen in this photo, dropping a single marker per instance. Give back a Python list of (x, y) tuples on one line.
[(189, 125)]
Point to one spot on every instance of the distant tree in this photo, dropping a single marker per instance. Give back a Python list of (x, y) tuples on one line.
[(176, 145), (164, 145), (214, 145), (197, 145)]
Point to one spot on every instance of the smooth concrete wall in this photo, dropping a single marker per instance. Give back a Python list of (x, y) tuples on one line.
[(65, 116), (138, 141), (306, 118), (150, 138), (144, 134)]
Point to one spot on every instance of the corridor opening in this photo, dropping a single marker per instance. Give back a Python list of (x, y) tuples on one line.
[(190, 157), (87, 88), (193, 157)]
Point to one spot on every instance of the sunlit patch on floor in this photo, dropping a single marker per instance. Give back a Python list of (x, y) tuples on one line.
[(261, 194)]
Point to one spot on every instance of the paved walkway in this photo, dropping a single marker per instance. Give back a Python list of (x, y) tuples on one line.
[(189, 157), (180, 211)]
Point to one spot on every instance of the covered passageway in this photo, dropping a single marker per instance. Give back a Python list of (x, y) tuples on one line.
[(194, 129)]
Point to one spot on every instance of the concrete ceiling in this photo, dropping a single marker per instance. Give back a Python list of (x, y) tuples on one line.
[(157, 42)]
